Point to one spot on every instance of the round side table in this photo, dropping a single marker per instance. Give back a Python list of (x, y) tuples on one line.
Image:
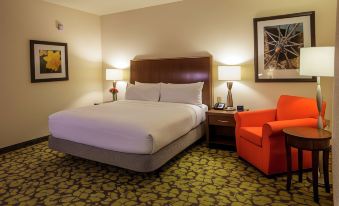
[(311, 139)]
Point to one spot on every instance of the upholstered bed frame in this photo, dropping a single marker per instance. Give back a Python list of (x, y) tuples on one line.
[(174, 70)]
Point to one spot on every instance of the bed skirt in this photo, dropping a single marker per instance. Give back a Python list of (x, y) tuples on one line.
[(135, 162)]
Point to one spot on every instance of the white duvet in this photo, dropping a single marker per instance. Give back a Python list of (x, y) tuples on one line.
[(138, 127)]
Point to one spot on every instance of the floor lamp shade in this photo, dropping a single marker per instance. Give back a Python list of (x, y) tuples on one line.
[(317, 61)]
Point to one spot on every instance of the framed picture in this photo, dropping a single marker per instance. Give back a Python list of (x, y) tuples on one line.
[(49, 61), (277, 43)]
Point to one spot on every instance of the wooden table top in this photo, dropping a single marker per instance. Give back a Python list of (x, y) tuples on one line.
[(221, 112), (308, 133)]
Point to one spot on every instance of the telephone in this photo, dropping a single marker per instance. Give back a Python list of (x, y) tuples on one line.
[(219, 106)]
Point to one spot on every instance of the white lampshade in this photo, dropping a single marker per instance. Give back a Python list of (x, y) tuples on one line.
[(114, 74), (229, 73), (317, 61)]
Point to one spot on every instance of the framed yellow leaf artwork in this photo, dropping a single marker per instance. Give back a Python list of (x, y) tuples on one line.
[(49, 61)]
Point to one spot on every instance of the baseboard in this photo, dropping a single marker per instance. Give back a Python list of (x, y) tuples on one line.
[(23, 144)]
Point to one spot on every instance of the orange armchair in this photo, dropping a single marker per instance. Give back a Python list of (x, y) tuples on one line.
[(259, 136)]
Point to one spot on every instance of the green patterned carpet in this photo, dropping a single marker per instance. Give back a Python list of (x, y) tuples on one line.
[(37, 175)]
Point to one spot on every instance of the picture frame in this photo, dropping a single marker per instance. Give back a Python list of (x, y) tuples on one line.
[(277, 43), (49, 61)]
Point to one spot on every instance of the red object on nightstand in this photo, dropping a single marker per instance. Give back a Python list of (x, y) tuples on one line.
[(259, 136)]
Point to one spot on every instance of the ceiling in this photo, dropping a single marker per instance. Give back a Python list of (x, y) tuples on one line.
[(103, 7)]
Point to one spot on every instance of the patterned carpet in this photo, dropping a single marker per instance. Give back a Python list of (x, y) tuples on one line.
[(37, 175)]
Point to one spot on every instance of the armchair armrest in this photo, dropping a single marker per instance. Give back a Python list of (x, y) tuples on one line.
[(276, 127), (255, 118)]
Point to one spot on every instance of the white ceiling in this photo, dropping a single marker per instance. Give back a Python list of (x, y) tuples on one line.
[(102, 7)]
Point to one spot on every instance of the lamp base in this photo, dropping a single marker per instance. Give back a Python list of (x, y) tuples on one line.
[(229, 95)]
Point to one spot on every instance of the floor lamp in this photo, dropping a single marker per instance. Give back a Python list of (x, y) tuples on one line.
[(319, 62)]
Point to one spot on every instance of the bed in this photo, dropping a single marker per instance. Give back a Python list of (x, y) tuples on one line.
[(138, 144)]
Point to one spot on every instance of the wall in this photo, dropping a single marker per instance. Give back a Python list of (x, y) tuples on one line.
[(335, 154), (223, 28), (24, 107)]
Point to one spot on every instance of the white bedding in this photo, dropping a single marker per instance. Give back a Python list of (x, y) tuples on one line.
[(139, 127)]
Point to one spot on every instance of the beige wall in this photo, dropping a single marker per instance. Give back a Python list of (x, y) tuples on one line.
[(335, 140), (222, 28), (24, 107)]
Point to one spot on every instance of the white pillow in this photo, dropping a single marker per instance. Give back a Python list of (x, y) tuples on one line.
[(143, 92), (182, 93)]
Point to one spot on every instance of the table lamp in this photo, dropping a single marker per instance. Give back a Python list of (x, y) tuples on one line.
[(319, 62), (115, 75), (229, 74)]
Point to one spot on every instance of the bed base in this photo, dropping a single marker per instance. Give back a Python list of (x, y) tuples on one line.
[(135, 162)]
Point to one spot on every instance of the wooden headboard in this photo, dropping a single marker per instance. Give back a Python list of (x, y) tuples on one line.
[(175, 70)]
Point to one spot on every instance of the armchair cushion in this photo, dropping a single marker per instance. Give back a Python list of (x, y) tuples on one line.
[(252, 134), (255, 118), (276, 127), (292, 107)]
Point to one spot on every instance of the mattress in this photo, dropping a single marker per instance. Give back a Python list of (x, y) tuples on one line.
[(129, 126)]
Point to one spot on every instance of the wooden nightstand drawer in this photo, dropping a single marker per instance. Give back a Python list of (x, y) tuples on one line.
[(221, 120), (220, 129)]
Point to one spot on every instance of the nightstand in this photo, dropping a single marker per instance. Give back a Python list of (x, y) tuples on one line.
[(220, 129)]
